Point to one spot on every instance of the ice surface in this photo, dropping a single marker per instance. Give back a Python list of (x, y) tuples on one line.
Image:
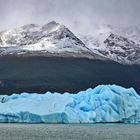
[(105, 103)]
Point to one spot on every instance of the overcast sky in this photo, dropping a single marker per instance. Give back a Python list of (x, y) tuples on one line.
[(72, 13)]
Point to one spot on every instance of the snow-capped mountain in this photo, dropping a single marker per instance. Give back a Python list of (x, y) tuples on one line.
[(50, 39), (121, 44)]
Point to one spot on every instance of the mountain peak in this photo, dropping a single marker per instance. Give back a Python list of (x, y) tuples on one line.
[(53, 23), (116, 43), (51, 26), (50, 39)]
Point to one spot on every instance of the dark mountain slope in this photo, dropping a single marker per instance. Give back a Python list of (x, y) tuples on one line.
[(41, 74)]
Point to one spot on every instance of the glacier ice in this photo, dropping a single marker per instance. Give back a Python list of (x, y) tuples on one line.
[(105, 103)]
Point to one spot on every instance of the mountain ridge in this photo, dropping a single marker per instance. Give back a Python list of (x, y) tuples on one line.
[(107, 43)]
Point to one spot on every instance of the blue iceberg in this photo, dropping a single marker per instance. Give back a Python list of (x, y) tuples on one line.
[(103, 104)]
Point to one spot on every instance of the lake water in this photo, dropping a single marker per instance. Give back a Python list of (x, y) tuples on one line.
[(69, 132)]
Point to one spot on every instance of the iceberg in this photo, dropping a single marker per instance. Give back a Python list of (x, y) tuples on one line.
[(103, 104)]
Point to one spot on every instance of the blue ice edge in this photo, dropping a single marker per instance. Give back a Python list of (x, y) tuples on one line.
[(103, 104)]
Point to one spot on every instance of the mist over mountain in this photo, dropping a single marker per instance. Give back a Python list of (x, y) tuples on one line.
[(78, 15)]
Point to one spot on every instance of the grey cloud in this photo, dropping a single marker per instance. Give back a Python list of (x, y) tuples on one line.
[(72, 13)]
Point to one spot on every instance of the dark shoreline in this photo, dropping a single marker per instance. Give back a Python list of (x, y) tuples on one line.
[(58, 74)]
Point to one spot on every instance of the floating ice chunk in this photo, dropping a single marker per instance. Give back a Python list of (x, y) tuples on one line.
[(105, 103)]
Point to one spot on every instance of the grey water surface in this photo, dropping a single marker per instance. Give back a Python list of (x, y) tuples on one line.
[(69, 132)]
